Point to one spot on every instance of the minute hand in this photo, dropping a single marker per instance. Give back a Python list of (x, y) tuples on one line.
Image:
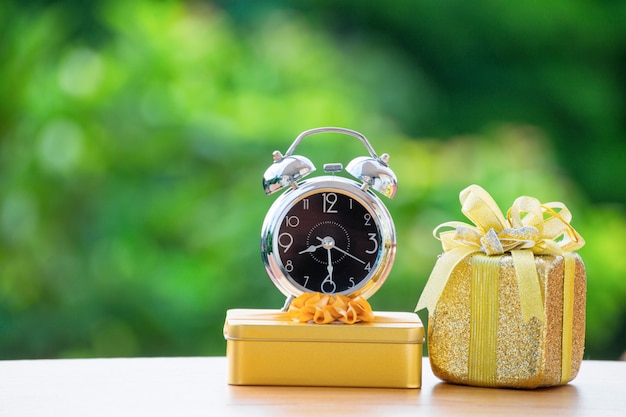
[(349, 254)]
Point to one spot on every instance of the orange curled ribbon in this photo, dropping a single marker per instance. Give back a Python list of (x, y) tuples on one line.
[(326, 308)]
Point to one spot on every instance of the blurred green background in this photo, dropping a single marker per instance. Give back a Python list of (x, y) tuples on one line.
[(134, 136)]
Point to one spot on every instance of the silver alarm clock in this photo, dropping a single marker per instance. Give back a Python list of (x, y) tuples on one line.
[(328, 234)]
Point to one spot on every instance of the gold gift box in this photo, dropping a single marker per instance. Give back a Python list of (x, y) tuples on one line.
[(265, 347), (524, 354)]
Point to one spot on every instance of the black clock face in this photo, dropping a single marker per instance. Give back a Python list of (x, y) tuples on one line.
[(328, 242)]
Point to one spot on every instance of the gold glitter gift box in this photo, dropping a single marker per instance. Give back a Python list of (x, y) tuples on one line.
[(506, 299)]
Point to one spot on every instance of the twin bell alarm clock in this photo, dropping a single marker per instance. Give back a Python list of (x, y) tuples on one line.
[(328, 234)]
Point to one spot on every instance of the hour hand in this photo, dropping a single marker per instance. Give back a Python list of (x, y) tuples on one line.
[(311, 248)]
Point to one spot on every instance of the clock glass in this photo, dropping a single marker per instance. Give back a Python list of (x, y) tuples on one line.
[(328, 242)]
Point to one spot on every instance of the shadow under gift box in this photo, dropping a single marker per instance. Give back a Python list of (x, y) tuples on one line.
[(265, 347), (477, 334)]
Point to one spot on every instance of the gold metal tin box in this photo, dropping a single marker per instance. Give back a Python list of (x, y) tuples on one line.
[(265, 347)]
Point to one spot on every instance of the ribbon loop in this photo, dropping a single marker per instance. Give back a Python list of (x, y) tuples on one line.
[(480, 208)]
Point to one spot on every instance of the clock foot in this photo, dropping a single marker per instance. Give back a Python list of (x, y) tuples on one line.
[(287, 303)]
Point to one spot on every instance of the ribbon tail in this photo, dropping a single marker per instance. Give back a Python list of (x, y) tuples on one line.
[(531, 299), (439, 277)]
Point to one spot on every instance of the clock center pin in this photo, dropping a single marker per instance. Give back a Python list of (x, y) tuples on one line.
[(328, 242)]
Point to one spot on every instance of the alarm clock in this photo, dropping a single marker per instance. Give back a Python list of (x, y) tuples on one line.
[(328, 234)]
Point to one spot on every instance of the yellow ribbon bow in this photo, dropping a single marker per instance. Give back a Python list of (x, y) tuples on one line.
[(528, 228)]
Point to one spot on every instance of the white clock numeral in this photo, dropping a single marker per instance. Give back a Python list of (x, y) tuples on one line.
[(305, 204), (306, 280), (351, 204), (289, 266), (373, 239), (352, 281), (328, 281), (330, 199), (285, 240), (292, 221), (368, 219), (368, 267)]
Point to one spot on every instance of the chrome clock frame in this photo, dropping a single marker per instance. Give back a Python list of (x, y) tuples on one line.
[(289, 170), (384, 224)]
